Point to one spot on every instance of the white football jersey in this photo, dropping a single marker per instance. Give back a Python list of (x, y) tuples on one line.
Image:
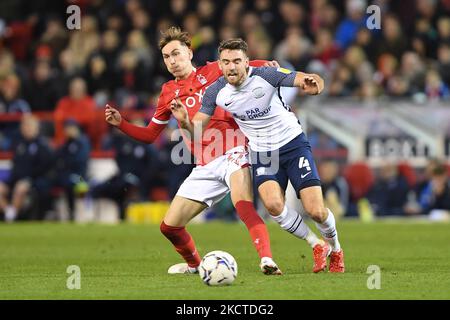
[(257, 106)]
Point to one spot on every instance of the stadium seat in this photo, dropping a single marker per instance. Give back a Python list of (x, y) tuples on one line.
[(360, 179)]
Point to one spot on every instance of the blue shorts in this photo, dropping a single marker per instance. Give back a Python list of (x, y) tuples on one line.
[(293, 161)]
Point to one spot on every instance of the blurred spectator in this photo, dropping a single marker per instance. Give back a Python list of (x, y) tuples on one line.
[(354, 20), (109, 48), (137, 43), (440, 191), (71, 164), (178, 10), (435, 88), (43, 90), (325, 49), (413, 69), (387, 67), (10, 103), (233, 10), (85, 41), (388, 195), (207, 13), (334, 187), (392, 40), (32, 163), (10, 96), (130, 80), (443, 65), (55, 36), (137, 164), (19, 36), (207, 47), (78, 106), (99, 80), (295, 49), (433, 191)]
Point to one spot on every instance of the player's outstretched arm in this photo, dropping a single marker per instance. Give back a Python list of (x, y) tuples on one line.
[(143, 134), (310, 83)]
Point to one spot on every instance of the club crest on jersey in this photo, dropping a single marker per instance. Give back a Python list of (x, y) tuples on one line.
[(258, 92), (201, 78)]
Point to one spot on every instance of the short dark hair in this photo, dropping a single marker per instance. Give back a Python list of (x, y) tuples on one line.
[(233, 44), (174, 33)]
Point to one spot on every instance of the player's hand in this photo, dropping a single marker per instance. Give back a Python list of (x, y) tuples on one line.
[(179, 110), (272, 63), (312, 84), (112, 116)]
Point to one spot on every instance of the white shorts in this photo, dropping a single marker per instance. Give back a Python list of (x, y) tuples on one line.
[(211, 183)]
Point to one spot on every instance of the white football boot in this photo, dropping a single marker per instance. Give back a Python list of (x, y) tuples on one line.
[(269, 267), (181, 268)]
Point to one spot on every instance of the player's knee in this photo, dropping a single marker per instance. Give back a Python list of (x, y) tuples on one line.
[(275, 206), (3, 189), (21, 188), (318, 214)]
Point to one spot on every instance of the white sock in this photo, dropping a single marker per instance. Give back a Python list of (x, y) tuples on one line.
[(291, 221), (328, 231), (10, 213)]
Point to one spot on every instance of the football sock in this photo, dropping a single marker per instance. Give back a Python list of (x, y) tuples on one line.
[(328, 231), (256, 227), (10, 213), (183, 243), (291, 221)]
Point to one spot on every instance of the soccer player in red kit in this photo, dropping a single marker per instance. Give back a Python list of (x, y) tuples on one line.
[(223, 170)]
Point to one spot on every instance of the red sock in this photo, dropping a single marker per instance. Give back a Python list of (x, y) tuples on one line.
[(256, 227), (183, 243)]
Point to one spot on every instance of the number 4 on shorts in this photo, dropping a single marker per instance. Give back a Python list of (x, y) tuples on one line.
[(304, 163)]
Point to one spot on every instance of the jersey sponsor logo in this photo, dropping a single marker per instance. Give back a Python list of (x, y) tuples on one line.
[(284, 70), (257, 113), (191, 101), (228, 103), (177, 92)]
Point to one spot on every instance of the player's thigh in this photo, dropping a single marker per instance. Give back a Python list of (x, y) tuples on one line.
[(272, 196), (241, 185), (300, 166), (312, 200), (182, 210)]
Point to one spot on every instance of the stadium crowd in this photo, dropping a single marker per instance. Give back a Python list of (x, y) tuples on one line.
[(113, 58)]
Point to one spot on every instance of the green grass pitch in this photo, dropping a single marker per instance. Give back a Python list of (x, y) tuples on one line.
[(130, 262)]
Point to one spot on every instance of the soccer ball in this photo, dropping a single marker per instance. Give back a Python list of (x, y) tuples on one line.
[(218, 268)]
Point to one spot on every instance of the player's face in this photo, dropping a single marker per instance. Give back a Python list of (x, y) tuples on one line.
[(177, 58), (234, 65)]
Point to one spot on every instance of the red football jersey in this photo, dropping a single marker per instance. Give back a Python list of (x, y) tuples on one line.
[(222, 132)]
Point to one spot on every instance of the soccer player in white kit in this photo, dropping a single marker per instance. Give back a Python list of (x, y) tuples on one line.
[(280, 150)]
